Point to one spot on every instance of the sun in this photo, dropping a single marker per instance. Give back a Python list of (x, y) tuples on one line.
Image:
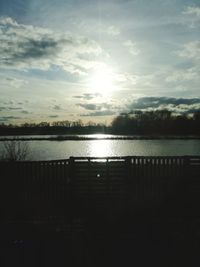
[(102, 80)]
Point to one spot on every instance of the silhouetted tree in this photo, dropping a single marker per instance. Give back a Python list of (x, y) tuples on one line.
[(15, 150)]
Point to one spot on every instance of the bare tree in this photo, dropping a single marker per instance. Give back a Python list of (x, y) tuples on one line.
[(15, 150)]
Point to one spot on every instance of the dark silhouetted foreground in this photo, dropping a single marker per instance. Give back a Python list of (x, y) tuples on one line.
[(129, 211)]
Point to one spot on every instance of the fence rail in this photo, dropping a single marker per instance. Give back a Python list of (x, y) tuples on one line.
[(104, 184)]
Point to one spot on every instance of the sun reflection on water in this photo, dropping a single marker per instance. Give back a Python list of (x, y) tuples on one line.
[(100, 148)]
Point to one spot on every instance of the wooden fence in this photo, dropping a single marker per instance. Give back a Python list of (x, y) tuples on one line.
[(83, 184)]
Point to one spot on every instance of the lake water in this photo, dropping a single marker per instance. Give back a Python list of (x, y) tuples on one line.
[(49, 150)]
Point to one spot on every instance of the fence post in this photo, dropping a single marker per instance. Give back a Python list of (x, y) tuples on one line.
[(186, 167), (129, 183), (72, 190), (71, 168)]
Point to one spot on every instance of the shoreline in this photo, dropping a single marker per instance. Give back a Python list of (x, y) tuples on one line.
[(90, 138)]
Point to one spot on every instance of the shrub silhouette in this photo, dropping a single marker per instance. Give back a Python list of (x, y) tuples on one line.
[(15, 150)]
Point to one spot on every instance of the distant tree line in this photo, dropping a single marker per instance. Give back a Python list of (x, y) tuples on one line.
[(57, 127), (159, 122)]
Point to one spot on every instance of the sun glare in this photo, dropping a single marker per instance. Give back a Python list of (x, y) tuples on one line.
[(100, 148), (102, 81)]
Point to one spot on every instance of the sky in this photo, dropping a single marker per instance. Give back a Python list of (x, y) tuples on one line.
[(92, 60)]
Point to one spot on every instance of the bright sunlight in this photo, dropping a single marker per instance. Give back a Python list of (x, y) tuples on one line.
[(102, 80)]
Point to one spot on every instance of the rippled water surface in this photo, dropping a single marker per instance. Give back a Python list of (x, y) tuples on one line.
[(47, 150)]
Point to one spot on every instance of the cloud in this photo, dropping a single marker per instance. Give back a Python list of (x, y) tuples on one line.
[(25, 112), (113, 31), (14, 108), (192, 10), (100, 113), (193, 14), (10, 81), (87, 96), (8, 118), (90, 106), (132, 47), (57, 107), (10, 106), (190, 50), (53, 116), (24, 47), (100, 106), (10, 102), (183, 75), (100, 109), (178, 105)]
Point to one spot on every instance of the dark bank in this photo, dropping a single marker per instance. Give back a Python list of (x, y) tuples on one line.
[(101, 211)]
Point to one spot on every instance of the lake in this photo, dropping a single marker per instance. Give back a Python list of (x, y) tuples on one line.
[(49, 150)]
